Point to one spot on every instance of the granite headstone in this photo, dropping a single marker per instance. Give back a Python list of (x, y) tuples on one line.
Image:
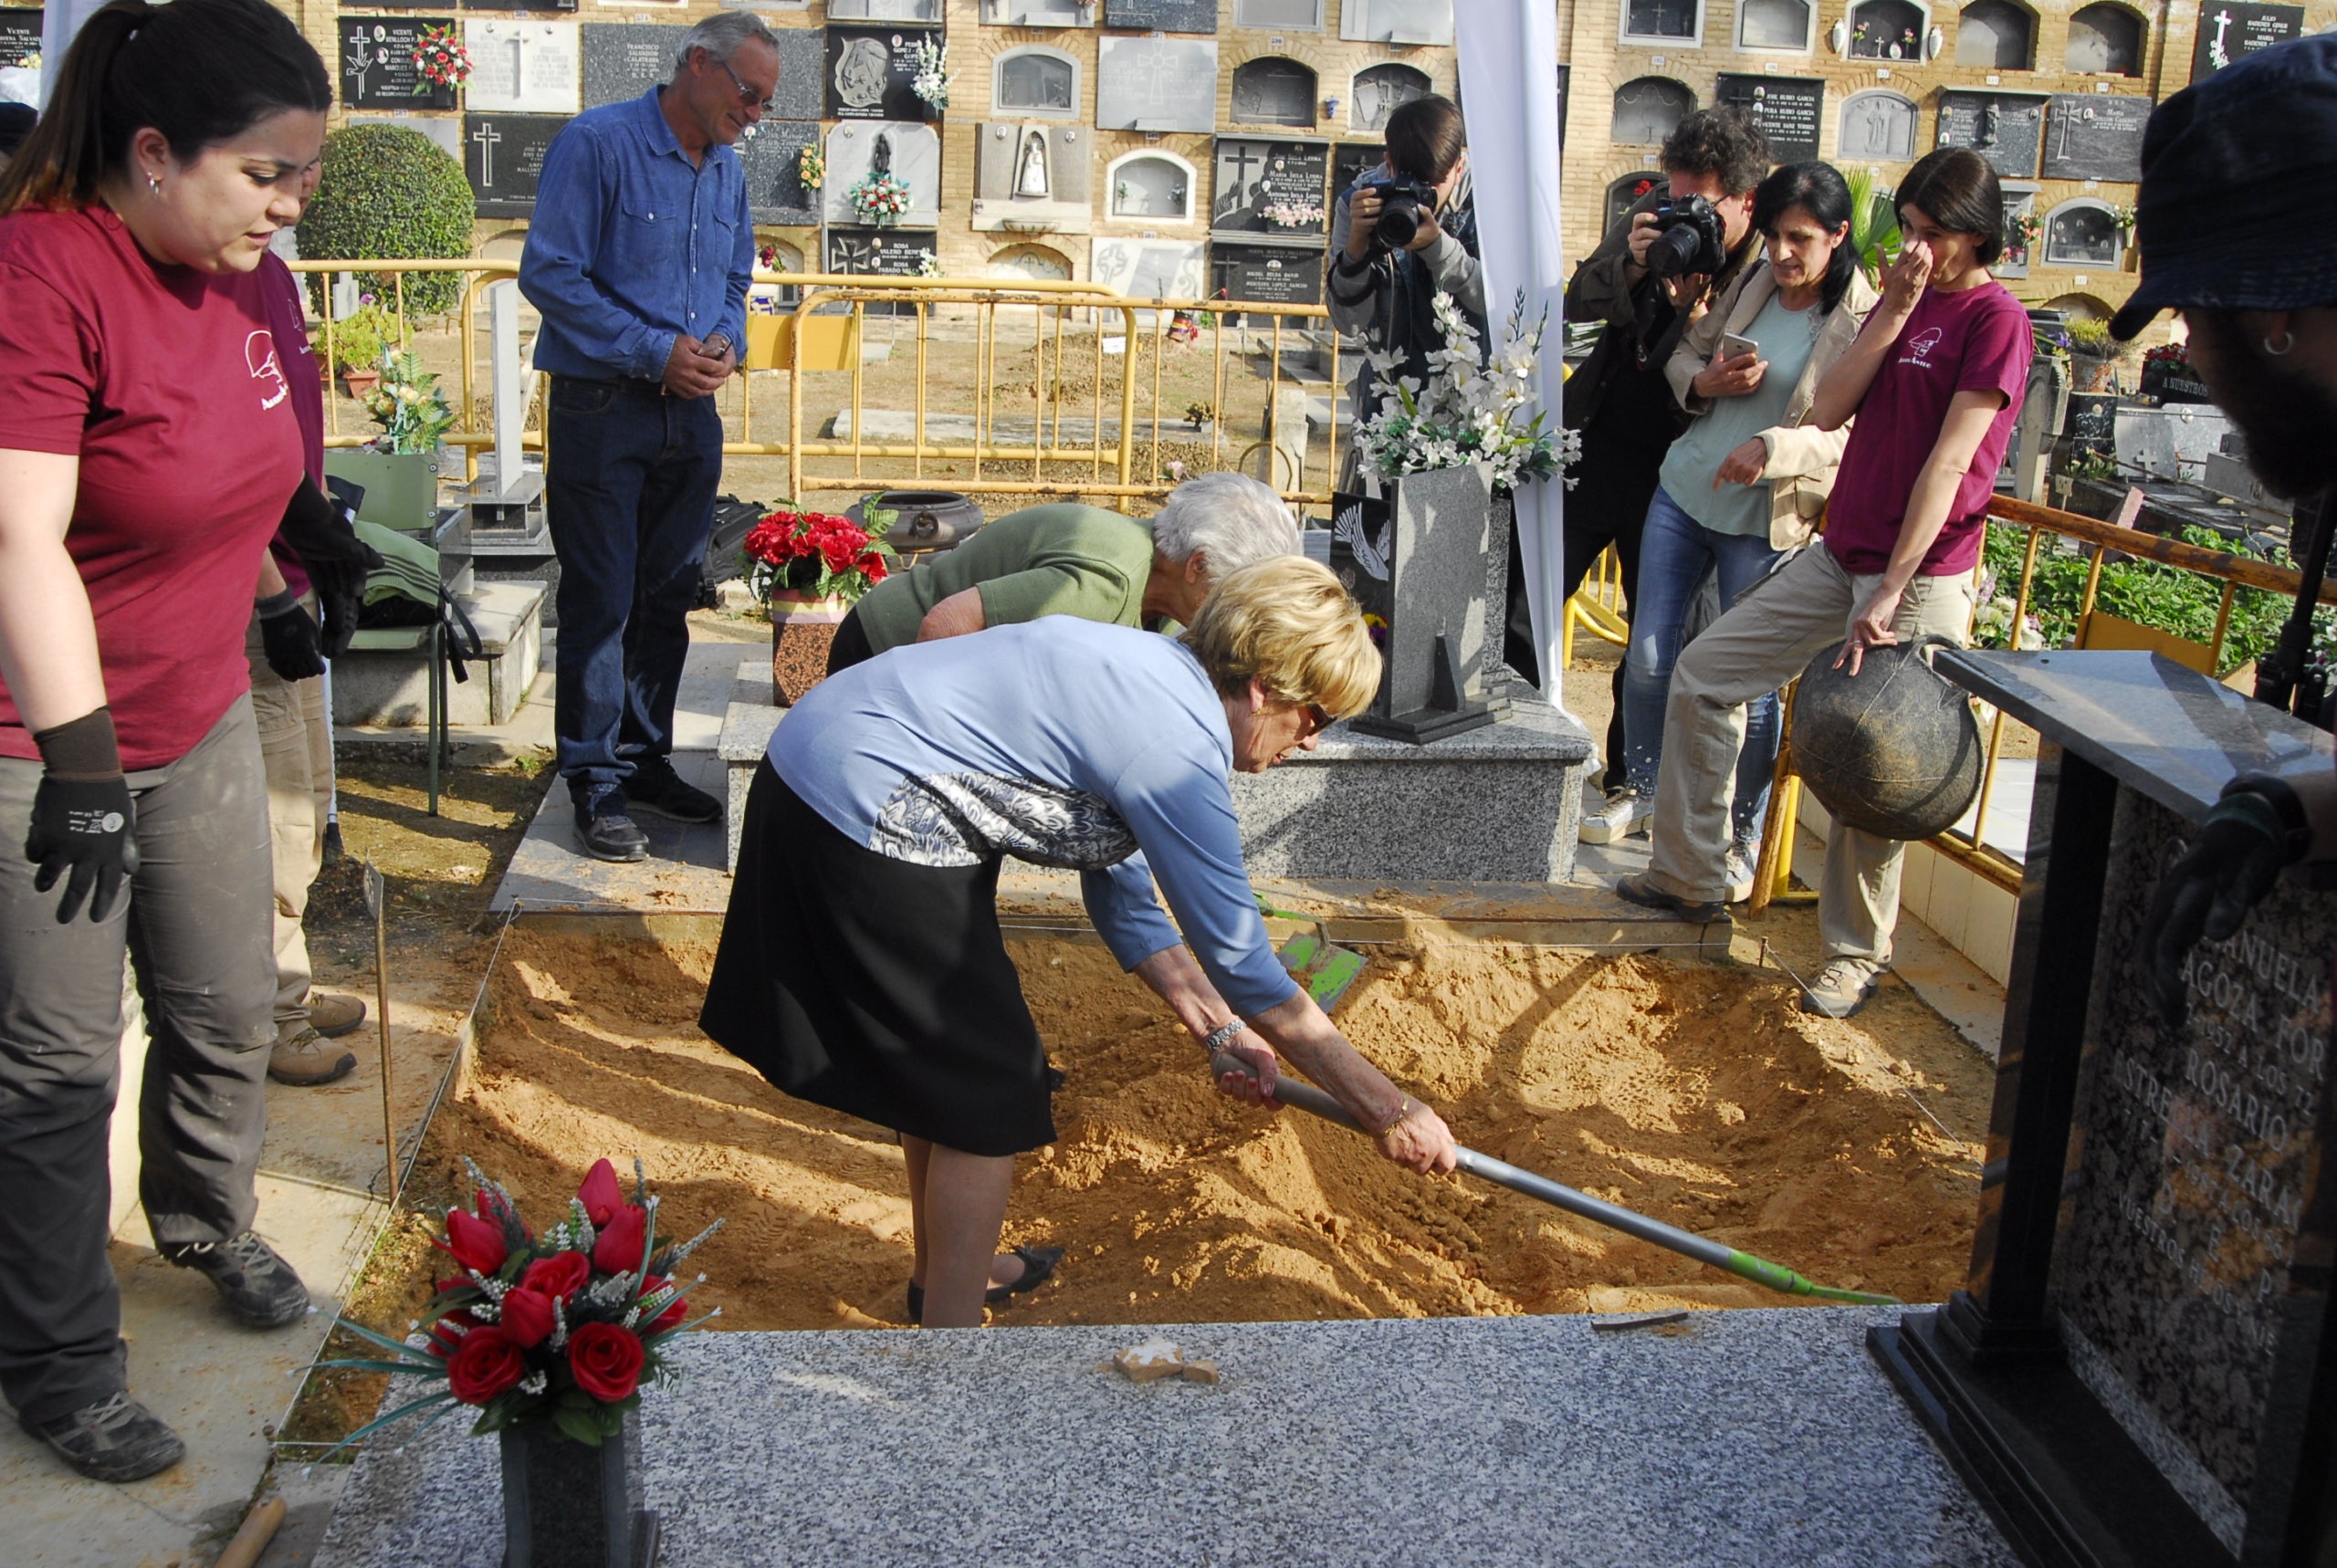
[(1788, 110), (2230, 28), (522, 67), (1417, 560), (1348, 161), (802, 92), (880, 253), (377, 65), (771, 160), (2095, 136), (1265, 273), (19, 37), (504, 156), (2006, 129), (1156, 84), (621, 62), (1150, 268), (1270, 188), (869, 71), (1162, 16), (911, 152)]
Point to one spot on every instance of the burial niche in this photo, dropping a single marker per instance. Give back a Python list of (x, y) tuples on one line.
[(1995, 35), (1661, 20), (1035, 81), (1879, 126), (1886, 30), (1381, 90), (1773, 24), (2082, 233), (1299, 16), (1274, 91), (1647, 111), (1034, 262), (2106, 40), (1150, 186), (1627, 190)]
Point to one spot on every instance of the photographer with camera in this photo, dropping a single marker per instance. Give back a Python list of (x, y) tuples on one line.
[(1680, 245)]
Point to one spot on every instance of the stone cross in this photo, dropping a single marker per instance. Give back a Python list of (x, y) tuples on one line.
[(486, 136)]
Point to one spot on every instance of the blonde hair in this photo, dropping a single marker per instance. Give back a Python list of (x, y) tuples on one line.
[(1287, 623)]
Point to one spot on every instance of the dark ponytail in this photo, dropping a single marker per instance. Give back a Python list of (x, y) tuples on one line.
[(199, 72), (1819, 190)]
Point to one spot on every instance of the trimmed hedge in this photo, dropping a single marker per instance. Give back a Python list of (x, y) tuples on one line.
[(390, 193)]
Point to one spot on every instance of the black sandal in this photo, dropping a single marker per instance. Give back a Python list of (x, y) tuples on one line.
[(1038, 1267)]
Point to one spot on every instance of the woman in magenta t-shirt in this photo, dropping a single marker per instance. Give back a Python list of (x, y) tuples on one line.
[(148, 452), (1935, 382)]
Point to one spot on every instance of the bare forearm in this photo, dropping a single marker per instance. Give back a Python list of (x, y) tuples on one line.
[(1927, 509), (1846, 384), (1177, 978), (1314, 1045), (49, 640), (955, 616), (271, 577)]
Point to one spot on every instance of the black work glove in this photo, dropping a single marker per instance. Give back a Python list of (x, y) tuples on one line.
[(288, 637), (337, 560), (83, 816), (2255, 829)]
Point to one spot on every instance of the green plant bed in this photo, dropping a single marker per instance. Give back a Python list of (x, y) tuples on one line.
[(389, 194)]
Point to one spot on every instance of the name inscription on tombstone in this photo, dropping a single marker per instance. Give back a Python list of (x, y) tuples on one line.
[(870, 70), (522, 67), (2095, 136), (377, 68), (19, 37), (772, 162), (2227, 31), (1788, 110), (1271, 187), (1156, 84), (504, 156), (2196, 1147), (624, 61), (2006, 129), (1162, 16), (1265, 273), (880, 253)]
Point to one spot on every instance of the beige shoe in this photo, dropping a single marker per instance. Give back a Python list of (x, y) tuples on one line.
[(304, 1058), (333, 1015)]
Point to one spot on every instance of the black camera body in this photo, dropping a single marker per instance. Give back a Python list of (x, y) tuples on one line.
[(1402, 199), (1689, 239)]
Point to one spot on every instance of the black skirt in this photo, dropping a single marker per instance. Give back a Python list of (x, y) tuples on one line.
[(874, 987)]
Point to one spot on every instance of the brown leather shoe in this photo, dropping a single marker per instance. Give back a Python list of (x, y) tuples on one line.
[(304, 1058), (333, 1015)]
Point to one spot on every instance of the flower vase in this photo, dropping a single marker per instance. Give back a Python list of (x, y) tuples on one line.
[(802, 629), (568, 1505), (359, 384)]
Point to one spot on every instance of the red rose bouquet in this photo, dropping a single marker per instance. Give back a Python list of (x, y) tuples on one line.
[(815, 554), (441, 58), (562, 1327)]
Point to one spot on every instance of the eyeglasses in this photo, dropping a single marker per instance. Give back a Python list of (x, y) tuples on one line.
[(747, 95), (1318, 719)]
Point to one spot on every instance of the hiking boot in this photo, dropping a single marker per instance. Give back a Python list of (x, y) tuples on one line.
[(1627, 810), (305, 1059), (657, 789), (333, 1015), (1841, 987), (116, 1439), (1647, 896), (259, 1288), (602, 827), (1743, 870)]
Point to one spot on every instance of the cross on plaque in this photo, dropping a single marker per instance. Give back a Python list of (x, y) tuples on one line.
[(1242, 158), (486, 136), (2217, 53)]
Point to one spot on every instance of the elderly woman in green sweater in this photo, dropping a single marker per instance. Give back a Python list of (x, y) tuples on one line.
[(1073, 560)]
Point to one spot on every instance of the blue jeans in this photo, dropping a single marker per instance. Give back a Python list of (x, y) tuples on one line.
[(1675, 552), (630, 495)]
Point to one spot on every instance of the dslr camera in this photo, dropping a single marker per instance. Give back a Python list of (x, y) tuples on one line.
[(1688, 240), (1401, 202)]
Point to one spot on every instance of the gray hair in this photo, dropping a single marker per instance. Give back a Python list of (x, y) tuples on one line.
[(721, 37), (1231, 518)]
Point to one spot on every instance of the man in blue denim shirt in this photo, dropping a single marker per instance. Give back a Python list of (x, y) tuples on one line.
[(639, 257)]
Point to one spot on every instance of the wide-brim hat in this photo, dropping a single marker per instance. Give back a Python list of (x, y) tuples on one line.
[(2236, 211)]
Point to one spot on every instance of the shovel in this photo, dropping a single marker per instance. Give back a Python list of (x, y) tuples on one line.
[(1743, 1265), (1327, 972)]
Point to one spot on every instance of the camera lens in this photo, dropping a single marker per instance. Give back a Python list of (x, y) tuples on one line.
[(1672, 251), (1398, 223)]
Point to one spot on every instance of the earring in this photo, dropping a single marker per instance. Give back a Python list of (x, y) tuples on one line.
[(2288, 341), (153, 187)]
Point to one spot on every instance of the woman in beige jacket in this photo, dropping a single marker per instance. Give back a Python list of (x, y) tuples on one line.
[(1748, 478)]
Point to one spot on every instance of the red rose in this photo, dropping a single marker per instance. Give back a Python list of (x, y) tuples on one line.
[(618, 1250), (606, 1361), (600, 1194), (527, 1317), (873, 565), (560, 1275), (475, 1244), (485, 1364), (449, 1331), (674, 1313)]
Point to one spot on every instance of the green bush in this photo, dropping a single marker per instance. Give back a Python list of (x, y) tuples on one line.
[(390, 193)]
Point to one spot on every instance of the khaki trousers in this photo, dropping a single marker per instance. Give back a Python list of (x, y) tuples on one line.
[(296, 747), (1762, 643)]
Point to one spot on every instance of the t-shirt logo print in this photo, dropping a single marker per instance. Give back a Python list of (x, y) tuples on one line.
[(1920, 347), (259, 355)]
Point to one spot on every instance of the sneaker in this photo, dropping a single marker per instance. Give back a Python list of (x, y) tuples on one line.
[(1841, 988), (657, 789), (1647, 896), (1743, 870), (259, 1288), (602, 827), (1627, 812), (333, 1015), (116, 1439), (304, 1058)]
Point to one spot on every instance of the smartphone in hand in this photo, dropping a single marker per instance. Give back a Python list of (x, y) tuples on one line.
[(714, 348), (1735, 345)]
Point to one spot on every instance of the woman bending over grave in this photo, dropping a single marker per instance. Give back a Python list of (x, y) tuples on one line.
[(1748, 479), (1935, 381), (862, 966)]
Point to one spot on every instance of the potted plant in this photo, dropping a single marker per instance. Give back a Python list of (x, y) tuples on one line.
[(551, 1336), (2095, 355), (354, 345), (807, 570), (399, 468)]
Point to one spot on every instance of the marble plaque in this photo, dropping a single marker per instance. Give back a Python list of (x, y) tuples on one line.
[(772, 160), (2095, 136), (910, 152), (1162, 16), (1156, 84), (1879, 126), (880, 253), (884, 11), (2228, 30), (1030, 172), (2196, 1149), (522, 67), (1151, 268), (1789, 112), (802, 89), (869, 71), (2006, 129), (377, 68), (1037, 14), (623, 61), (1271, 187), (504, 156), (1266, 274), (1397, 21)]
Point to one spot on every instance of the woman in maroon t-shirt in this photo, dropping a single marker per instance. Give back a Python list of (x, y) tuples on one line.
[(147, 451), (1935, 381)]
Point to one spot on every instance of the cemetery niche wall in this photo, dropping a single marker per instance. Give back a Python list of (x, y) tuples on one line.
[(1377, 91), (2095, 136), (377, 65), (771, 160), (522, 67), (503, 154), (1648, 110), (1878, 125), (1790, 112), (1032, 177), (2230, 28), (1152, 186), (910, 152), (1156, 84), (869, 73), (624, 61), (1150, 268), (2008, 129)]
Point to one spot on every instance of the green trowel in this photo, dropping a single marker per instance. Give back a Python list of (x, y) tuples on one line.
[(1328, 972)]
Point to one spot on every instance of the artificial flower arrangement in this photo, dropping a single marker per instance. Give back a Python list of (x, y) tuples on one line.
[(880, 198), (1298, 214), (408, 405), (932, 77), (811, 167), (816, 555), (561, 1328), (2024, 232), (927, 265), (441, 58), (1469, 411)]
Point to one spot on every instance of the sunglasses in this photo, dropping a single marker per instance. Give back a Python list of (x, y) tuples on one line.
[(747, 95), (1318, 719)]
